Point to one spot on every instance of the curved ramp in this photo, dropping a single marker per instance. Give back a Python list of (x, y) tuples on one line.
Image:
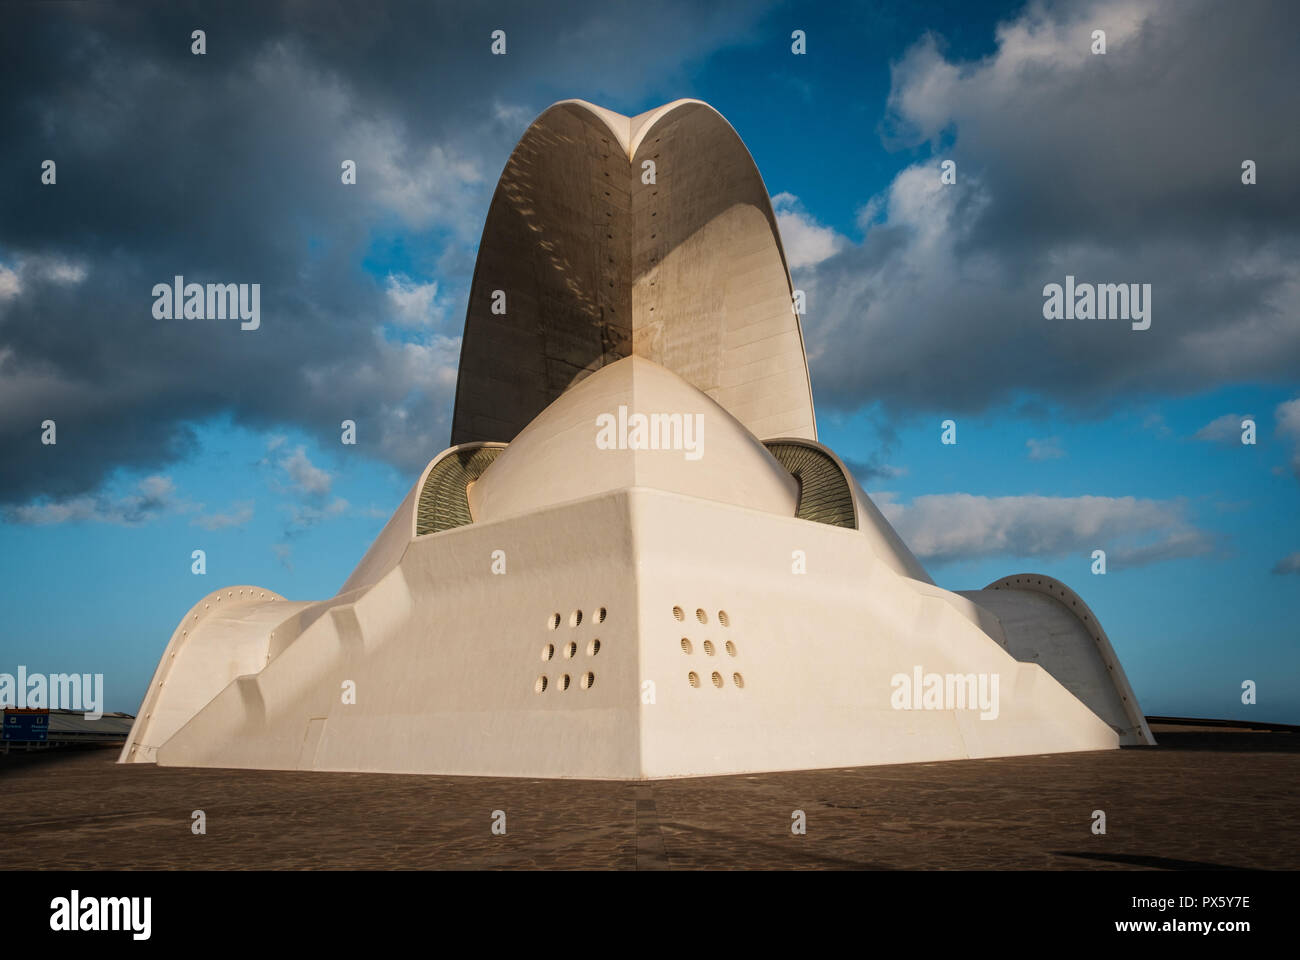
[(225, 635), (1047, 623)]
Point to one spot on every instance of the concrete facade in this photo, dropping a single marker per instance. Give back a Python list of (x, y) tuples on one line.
[(635, 561)]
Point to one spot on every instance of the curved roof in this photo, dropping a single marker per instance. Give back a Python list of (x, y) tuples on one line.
[(824, 492), (443, 502), (596, 265), (829, 494), (561, 456)]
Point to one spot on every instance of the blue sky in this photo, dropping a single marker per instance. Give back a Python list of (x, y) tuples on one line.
[(923, 306)]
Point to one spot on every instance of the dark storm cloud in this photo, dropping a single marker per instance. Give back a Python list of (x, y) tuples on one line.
[(225, 168), (1124, 167)]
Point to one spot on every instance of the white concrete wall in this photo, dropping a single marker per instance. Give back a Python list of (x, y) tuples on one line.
[(445, 656)]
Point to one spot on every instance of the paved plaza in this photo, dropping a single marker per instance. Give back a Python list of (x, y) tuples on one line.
[(1202, 799)]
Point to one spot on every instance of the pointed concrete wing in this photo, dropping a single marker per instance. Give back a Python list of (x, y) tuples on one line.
[(595, 265)]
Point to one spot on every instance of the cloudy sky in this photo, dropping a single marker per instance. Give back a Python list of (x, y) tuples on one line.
[(925, 299)]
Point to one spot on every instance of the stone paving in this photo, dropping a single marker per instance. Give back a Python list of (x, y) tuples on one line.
[(1209, 799)]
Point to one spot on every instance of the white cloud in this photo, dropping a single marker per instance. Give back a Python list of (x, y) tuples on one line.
[(407, 432), (414, 304), (1224, 429), (307, 488), (10, 285), (55, 270), (239, 514), (303, 516), (958, 526), (63, 272), (515, 117), (154, 496), (874, 468), (1043, 46), (806, 241), (307, 478), (1155, 422), (1048, 448), (1287, 415), (424, 184), (77, 509), (940, 305)]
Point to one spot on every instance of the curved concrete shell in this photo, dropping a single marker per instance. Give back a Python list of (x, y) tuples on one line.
[(558, 458), (636, 560), (590, 263), (1043, 621)]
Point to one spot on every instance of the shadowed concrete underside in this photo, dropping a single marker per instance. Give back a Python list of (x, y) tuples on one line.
[(596, 265)]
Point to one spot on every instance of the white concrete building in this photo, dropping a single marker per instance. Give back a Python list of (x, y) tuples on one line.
[(636, 560)]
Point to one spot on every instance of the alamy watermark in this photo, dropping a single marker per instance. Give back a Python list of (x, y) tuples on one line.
[(75, 913), (654, 431), (214, 301), (1102, 301), (55, 691), (946, 691)]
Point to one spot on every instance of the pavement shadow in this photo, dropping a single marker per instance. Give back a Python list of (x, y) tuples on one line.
[(1158, 863)]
